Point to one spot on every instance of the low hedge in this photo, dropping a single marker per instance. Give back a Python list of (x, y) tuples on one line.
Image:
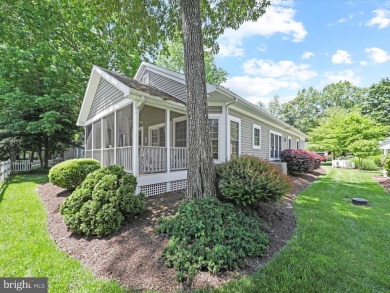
[(247, 180), (209, 235), (101, 203), (386, 164), (71, 173), (300, 161)]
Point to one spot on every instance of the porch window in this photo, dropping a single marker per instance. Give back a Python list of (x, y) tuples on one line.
[(234, 138), (97, 135), (88, 137), (124, 124), (256, 136), (275, 145), (157, 135), (214, 137), (108, 131), (181, 133)]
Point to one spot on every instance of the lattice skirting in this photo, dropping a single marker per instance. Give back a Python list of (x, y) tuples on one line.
[(159, 188)]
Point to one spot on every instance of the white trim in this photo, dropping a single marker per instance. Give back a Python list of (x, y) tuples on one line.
[(289, 142), (269, 148), (254, 146), (148, 179), (220, 136), (110, 110), (238, 120), (298, 144), (141, 128), (168, 140)]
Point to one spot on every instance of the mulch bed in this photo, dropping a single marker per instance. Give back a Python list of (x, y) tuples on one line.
[(384, 182), (132, 255)]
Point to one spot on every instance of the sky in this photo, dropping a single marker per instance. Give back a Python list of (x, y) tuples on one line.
[(303, 43)]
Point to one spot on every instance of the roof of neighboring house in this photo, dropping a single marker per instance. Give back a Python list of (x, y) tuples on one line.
[(137, 85), (385, 145)]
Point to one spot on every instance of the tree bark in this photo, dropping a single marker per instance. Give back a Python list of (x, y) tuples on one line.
[(201, 171)]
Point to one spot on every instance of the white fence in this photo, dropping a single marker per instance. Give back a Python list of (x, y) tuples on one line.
[(5, 170), (26, 165), (340, 163)]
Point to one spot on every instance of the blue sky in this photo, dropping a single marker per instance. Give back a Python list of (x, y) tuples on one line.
[(303, 43)]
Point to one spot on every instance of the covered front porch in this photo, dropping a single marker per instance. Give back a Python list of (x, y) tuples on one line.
[(140, 137)]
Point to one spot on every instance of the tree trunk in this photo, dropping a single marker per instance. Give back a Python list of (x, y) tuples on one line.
[(46, 153), (201, 171), (40, 157)]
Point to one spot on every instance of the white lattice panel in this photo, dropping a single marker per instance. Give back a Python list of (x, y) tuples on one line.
[(154, 189), (178, 185)]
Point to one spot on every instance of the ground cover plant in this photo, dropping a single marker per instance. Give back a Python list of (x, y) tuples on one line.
[(337, 247), (71, 173), (247, 180), (207, 234), (26, 249), (102, 202), (300, 161)]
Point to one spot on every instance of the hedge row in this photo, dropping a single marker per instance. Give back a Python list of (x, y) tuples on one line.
[(300, 161)]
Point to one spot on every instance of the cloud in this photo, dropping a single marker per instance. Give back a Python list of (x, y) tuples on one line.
[(285, 70), (335, 77), (363, 63), (378, 55), (382, 18), (341, 57), (307, 55), (279, 19), (255, 88)]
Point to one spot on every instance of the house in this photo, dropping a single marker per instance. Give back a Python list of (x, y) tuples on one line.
[(126, 123), (385, 146)]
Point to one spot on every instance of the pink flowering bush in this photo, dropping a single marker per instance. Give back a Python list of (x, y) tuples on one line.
[(300, 161)]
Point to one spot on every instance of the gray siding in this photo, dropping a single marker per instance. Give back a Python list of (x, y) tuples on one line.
[(247, 136), (214, 109), (106, 96), (167, 85)]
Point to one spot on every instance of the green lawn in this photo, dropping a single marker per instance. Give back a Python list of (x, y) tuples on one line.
[(337, 247), (26, 250)]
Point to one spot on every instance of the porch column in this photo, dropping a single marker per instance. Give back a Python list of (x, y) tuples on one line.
[(85, 141), (135, 167), (168, 138), (102, 142), (115, 135)]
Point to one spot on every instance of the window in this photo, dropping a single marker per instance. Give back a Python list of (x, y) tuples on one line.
[(214, 137), (97, 135), (88, 137), (256, 136), (234, 137), (289, 143), (181, 134), (108, 131), (124, 124), (297, 144), (275, 145), (157, 135)]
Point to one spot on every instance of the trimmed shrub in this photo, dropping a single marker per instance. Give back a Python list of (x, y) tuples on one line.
[(247, 180), (300, 161), (209, 235), (101, 203), (386, 164), (71, 173)]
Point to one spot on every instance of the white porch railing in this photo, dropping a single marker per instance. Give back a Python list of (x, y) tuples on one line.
[(152, 159), (124, 157), (108, 157), (179, 158), (5, 170)]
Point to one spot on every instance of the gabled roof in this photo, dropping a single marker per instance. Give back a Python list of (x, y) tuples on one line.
[(385, 145)]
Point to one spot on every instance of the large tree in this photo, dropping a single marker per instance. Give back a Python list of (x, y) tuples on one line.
[(377, 102), (200, 22), (172, 57)]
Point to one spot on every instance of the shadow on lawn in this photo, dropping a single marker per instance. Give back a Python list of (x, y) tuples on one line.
[(20, 179)]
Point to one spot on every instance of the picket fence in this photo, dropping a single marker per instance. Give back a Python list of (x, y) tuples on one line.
[(8, 167)]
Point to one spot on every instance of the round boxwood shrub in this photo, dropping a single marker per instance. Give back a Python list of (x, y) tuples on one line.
[(207, 234), (71, 173), (247, 180), (101, 203)]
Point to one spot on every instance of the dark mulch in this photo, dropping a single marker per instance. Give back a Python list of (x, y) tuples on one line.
[(384, 182), (132, 255)]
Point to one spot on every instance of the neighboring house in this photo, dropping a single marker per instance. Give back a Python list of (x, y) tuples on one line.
[(385, 146), (119, 113)]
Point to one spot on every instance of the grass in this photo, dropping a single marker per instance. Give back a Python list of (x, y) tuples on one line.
[(337, 247), (26, 250)]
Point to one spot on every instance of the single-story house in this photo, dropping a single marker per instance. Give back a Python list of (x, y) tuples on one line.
[(140, 123)]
